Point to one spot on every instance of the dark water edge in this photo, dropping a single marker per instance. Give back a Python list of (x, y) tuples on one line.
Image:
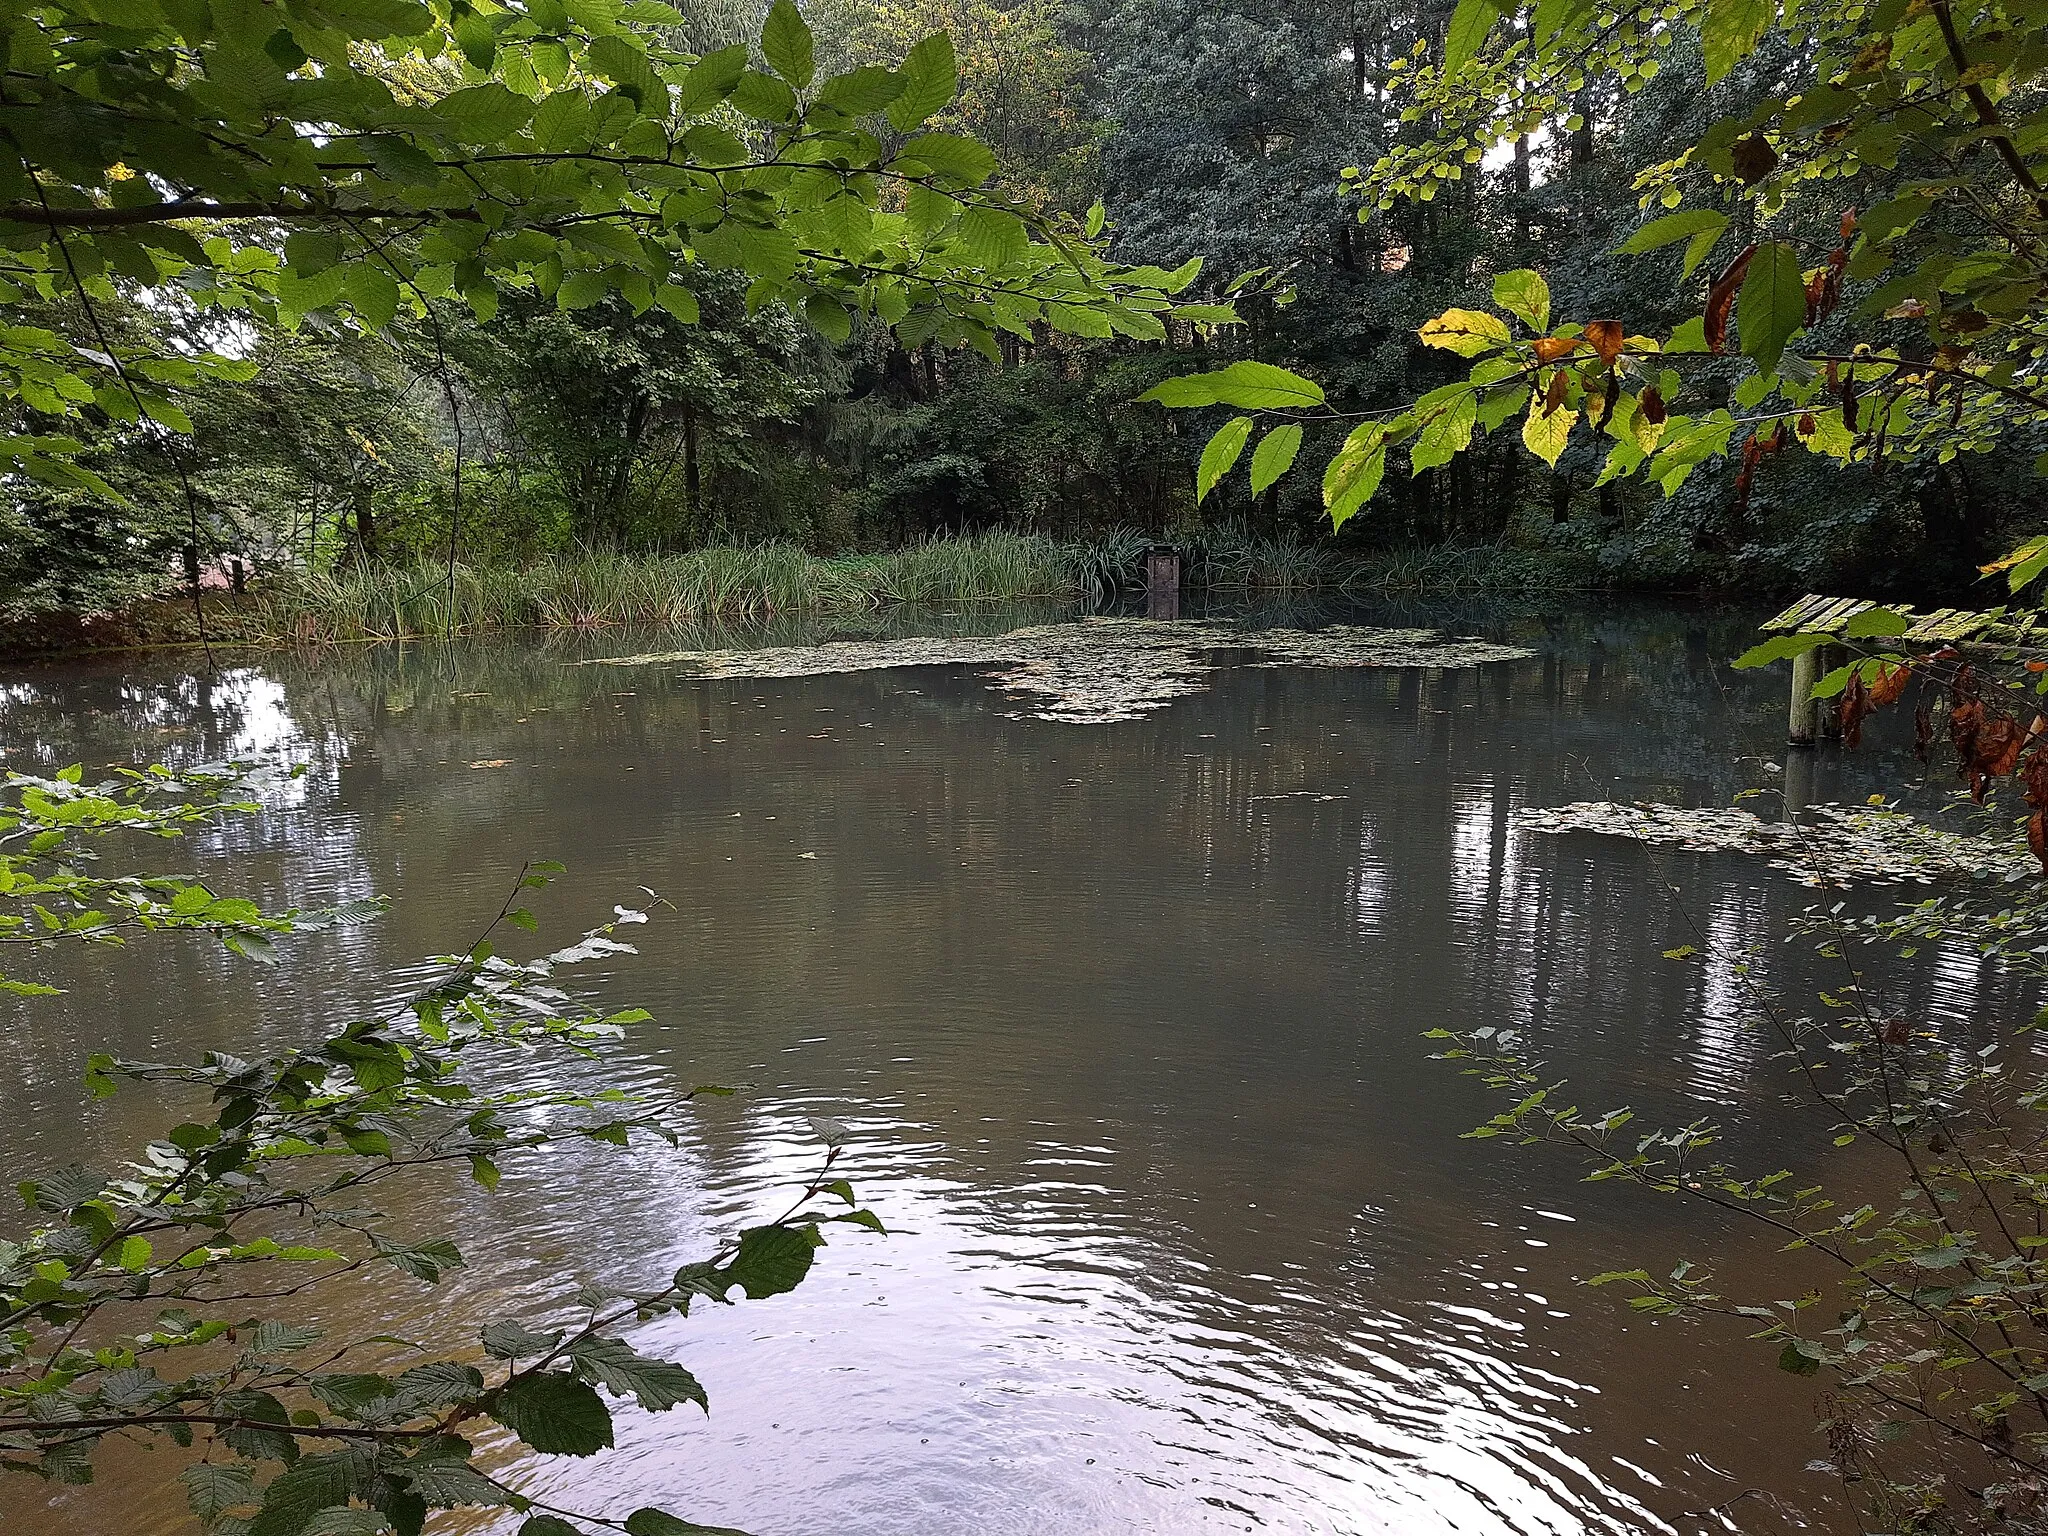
[(1127, 1019)]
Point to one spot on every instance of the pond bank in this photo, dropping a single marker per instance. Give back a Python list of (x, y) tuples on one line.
[(424, 599)]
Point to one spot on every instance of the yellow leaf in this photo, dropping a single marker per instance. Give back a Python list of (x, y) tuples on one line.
[(1467, 332), (1544, 434)]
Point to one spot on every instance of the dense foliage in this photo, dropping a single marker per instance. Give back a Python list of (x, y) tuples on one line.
[(222, 174), (687, 281), (1858, 220)]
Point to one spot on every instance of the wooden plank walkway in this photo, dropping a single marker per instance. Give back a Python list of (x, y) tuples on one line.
[(1817, 613)]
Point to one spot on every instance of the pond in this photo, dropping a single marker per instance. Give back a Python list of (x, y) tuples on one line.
[(1126, 1017)]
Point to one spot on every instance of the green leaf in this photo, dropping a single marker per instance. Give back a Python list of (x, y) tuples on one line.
[(483, 114), (930, 79), (711, 79), (1873, 622), (1777, 648), (1355, 473), (867, 89), (1772, 304), (1220, 455), (1248, 386), (554, 1413), (993, 236), (658, 1385), (373, 293), (771, 1260), (303, 1490), (1690, 336), (787, 46), (1446, 434), (1526, 296), (1794, 1358), (653, 1522), (616, 58), (423, 1261), (510, 1339), (1672, 228), (1730, 29), (1275, 455), (547, 1525), (1697, 250), (1470, 23), (961, 162), (215, 1487)]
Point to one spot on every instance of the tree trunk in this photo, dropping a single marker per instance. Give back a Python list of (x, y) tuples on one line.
[(693, 483)]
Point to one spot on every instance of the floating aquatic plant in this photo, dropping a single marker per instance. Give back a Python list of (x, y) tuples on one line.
[(1096, 670), (1828, 845)]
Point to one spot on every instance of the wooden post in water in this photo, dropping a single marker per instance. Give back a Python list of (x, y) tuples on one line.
[(1799, 718), (1829, 710), (1162, 583)]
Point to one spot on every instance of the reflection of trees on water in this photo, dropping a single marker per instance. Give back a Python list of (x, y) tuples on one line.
[(1211, 937)]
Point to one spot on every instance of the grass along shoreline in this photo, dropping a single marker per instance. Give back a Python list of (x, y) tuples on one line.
[(598, 590)]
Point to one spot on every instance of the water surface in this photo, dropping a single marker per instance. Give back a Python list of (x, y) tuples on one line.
[(1127, 1020)]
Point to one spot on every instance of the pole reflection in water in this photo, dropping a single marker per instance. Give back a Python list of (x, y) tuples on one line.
[(1127, 1019)]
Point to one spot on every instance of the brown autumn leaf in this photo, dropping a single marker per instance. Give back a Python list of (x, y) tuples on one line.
[(1605, 337), (1721, 299), (1753, 158), (2037, 838), (1553, 398), (2035, 780), (1988, 745), (1856, 703), (1807, 425), (1651, 403), (1550, 348), (1889, 685)]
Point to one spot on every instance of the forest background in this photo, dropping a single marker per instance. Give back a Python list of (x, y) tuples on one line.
[(1214, 128)]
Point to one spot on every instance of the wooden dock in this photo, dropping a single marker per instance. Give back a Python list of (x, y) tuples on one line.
[(1818, 614)]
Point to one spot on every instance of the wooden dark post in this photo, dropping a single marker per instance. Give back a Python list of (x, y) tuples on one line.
[(238, 574), (1800, 713), (1828, 712), (1162, 584)]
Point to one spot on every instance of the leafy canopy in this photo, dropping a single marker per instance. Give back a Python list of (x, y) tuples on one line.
[(354, 158), (1867, 234)]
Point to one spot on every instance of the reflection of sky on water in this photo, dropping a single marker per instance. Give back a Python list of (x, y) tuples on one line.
[(1127, 1020)]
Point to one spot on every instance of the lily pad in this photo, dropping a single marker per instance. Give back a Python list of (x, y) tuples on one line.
[(1096, 670)]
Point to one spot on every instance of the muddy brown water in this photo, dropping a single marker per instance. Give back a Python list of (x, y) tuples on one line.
[(1126, 1019)]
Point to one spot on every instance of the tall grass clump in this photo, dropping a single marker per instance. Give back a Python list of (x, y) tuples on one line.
[(1456, 568), (596, 590)]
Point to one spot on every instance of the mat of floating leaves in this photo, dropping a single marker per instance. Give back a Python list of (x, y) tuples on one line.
[(1095, 671), (1829, 845)]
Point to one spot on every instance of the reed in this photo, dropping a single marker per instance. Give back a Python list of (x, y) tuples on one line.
[(595, 590)]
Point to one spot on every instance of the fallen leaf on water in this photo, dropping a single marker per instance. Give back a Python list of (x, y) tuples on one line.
[(492, 762)]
